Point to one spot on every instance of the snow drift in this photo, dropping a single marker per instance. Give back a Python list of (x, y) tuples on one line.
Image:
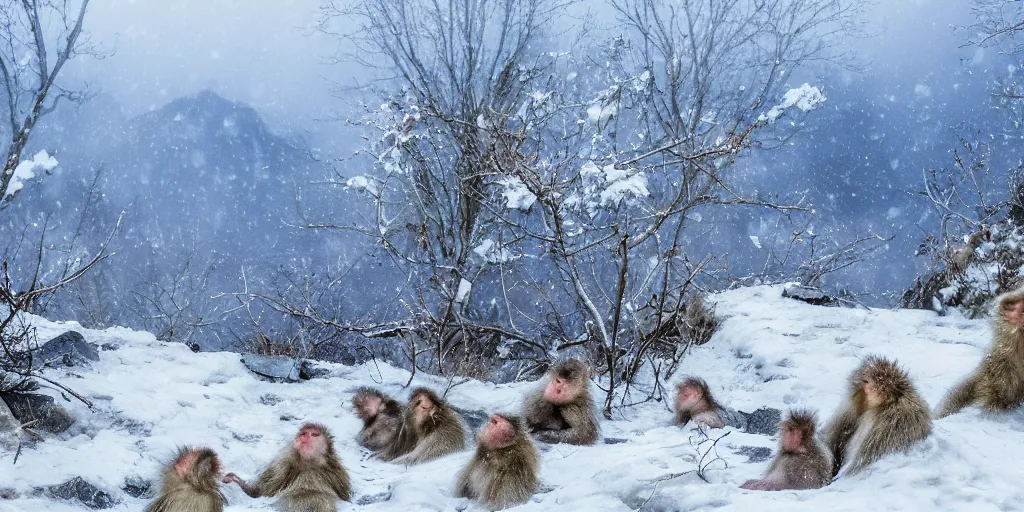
[(152, 397)]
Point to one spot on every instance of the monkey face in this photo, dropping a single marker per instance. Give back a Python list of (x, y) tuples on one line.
[(498, 432), (793, 440), (687, 398), (366, 406), (562, 390), (1013, 311), (310, 441), (871, 394), (422, 407)]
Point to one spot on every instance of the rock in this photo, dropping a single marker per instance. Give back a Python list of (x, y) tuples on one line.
[(27, 407), (68, 349), (276, 368), (137, 487), (8, 494), (807, 294), (84, 492), (474, 419), (374, 498), (9, 426), (614, 440), (763, 421), (270, 399), (755, 453)]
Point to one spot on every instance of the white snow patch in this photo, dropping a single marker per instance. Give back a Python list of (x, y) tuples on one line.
[(26, 170), (922, 90), (362, 184), (756, 241), (806, 98), (151, 397), (491, 252), (517, 196), (464, 288)]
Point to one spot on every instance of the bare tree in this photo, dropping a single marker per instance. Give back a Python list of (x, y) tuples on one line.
[(37, 38), (539, 199)]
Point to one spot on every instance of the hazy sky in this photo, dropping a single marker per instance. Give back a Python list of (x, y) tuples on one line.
[(263, 52), (268, 53)]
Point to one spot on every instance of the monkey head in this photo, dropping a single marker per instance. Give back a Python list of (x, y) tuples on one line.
[(500, 431), (312, 441), (367, 403), (796, 430), (1011, 308), (878, 382), (197, 466), (422, 404), (692, 394), (568, 380)]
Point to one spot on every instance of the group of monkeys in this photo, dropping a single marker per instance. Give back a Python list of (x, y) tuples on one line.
[(883, 414)]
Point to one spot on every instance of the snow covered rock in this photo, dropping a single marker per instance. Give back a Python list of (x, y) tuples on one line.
[(277, 368), (49, 415), (69, 349), (808, 294), (79, 490)]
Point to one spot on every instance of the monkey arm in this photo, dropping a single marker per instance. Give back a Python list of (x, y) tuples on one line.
[(583, 428), (253, 491), (962, 395)]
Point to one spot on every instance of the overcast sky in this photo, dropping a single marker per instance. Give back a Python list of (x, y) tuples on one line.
[(267, 52), (263, 52)]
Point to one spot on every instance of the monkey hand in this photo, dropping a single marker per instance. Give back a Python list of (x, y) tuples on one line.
[(232, 478)]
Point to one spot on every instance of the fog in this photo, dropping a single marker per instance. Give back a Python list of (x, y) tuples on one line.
[(169, 139)]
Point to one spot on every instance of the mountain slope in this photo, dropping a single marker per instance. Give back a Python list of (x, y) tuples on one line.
[(151, 397)]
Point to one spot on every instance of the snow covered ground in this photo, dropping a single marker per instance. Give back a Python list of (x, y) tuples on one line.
[(151, 397)]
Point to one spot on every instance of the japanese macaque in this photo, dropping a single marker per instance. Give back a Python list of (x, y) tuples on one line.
[(803, 462), (997, 384), (883, 415), (694, 402), (190, 483), (961, 255), (438, 430), (562, 411), (382, 418), (306, 477), (503, 472)]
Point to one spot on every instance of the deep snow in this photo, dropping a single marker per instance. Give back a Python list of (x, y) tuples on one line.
[(151, 397)]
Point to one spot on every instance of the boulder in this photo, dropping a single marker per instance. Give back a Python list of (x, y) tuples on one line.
[(137, 487), (277, 368), (78, 489), (807, 294), (68, 349), (474, 419), (28, 407), (763, 421), (755, 454), (9, 426)]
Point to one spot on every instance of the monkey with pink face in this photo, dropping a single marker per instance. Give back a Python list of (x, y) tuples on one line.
[(307, 476), (503, 471), (562, 410), (803, 461), (997, 384)]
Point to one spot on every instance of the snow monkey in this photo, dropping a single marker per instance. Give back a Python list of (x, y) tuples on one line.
[(562, 411), (438, 429), (382, 418), (997, 384), (190, 483), (883, 415), (803, 462), (694, 402), (307, 475), (503, 471)]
